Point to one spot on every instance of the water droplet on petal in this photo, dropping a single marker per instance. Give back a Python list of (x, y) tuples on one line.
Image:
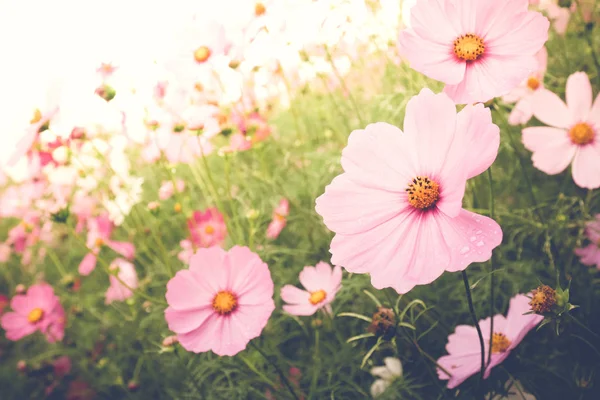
[(465, 250), (479, 244)]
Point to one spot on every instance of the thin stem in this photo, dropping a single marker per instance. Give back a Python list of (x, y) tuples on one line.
[(285, 381), (476, 322), (492, 267)]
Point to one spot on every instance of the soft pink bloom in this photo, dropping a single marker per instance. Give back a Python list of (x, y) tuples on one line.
[(221, 302), (168, 188), (62, 366), (187, 251), (238, 142), (524, 93), (38, 309), (207, 228), (321, 283), (39, 123), (279, 219), (497, 54), (253, 126), (125, 271), (405, 239), (590, 255), (574, 133), (560, 16), (464, 358), (99, 233)]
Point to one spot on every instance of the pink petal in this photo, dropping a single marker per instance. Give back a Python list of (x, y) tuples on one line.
[(461, 367), (594, 115), (189, 320), (517, 324), (539, 137), (126, 249), (426, 14), (300, 309), (87, 264), (522, 112), (23, 146), (499, 17), (251, 320), (293, 295), (230, 342), (184, 292), (590, 255), (524, 35), (250, 277), (336, 279), (14, 321), (205, 336), (554, 158), (579, 95), (207, 266), (21, 304), (586, 166), (550, 109), (311, 279)]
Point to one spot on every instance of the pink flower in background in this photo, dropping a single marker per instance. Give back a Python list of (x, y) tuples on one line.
[(221, 302), (573, 136), (321, 283), (187, 251), (254, 126), (464, 358), (125, 271), (99, 233), (37, 310), (397, 208), (480, 49), (524, 93), (207, 228), (167, 189), (62, 366), (559, 16), (590, 255), (238, 142), (279, 219)]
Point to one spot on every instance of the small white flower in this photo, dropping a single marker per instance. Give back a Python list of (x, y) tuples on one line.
[(515, 392), (387, 374)]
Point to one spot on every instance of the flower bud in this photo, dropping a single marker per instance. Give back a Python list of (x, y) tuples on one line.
[(543, 299)]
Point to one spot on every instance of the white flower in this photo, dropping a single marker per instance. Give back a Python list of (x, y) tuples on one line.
[(515, 392), (387, 374)]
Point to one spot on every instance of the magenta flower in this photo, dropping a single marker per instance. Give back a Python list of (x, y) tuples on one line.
[(321, 283), (125, 271), (590, 255), (279, 219), (100, 230), (523, 94), (221, 302), (207, 228), (397, 208), (464, 358), (37, 310), (573, 135), (480, 49)]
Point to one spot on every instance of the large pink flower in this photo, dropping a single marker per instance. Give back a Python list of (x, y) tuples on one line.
[(38, 310), (100, 231), (397, 209), (464, 358), (590, 255), (480, 49), (207, 228), (125, 272), (523, 94), (573, 135), (321, 283), (221, 302)]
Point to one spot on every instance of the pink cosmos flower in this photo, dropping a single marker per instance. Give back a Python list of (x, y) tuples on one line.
[(279, 219), (221, 302), (573, 135), (464, 357), (168, 188), (524, 93), (397, 208), (321, 283), (559, 16), (100, 230), (480, 49), (207, 228), (37, 310), (125, 271), (590, 255), (62, 366)]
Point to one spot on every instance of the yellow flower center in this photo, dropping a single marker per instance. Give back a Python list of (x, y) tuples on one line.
[(500, 343), (469, 47), (99, 242), (581, 134), (543, 299), (423, 193), (533, 83), (37, 116), (209, 230), (35, 315), (224, 302), (317, 297), (259, 9), (177, 208), (202, 54), (279, 217)]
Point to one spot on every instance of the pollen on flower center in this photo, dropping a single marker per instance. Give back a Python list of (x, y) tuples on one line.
[(500, 343), (202, 54), (209, 230), (581, 133), (423, 193), (35, 315), (533, 83), (224, 302), (37, 116), (99, 242), (317, 297), (259, 9), (469, 47)]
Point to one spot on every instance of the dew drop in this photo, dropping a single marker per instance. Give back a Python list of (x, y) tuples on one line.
[(479, 244), (465, 250)]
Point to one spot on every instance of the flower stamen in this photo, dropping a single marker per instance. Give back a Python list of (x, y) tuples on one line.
[(581, 134), (317, 297), (469, 47), (202, 54), (500, 343), (224, 302), (35, 315), (423, 193), (533, 83)]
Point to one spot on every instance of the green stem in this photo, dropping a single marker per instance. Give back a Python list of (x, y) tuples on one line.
[(492, 267), (285, 381), (476, 322)]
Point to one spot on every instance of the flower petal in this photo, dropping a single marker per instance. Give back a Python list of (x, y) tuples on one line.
[(579, 96), (586, 166), (551, 110)]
